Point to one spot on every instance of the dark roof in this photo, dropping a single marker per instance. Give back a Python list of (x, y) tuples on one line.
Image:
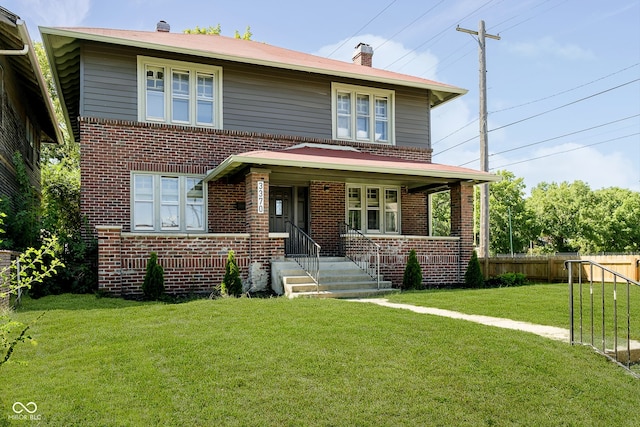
[(14, 39)]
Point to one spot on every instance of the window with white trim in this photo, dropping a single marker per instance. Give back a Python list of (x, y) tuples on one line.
[(166, 203), (373, 209), (362, 113), (179, 92)]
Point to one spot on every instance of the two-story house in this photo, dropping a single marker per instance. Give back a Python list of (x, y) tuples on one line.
[(27, 117), (194, 145)]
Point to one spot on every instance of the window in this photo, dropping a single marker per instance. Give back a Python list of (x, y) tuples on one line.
[(179, 92), (167, 203), (362, 114), (373, 209)]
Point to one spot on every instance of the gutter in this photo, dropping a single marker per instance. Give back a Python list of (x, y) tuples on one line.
[(16, 52)]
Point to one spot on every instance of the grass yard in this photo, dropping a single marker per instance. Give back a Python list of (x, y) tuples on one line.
[(110, 362), (545, 304)]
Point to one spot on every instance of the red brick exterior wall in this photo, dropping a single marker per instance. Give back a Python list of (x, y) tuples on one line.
[(438, 257), (111, 150), (327, 207)]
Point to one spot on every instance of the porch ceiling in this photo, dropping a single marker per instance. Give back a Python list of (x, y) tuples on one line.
[(340, 165)]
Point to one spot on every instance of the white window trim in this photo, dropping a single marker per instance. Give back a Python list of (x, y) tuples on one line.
[(157, 203), (381, 208), (373, 93), (169, 65)]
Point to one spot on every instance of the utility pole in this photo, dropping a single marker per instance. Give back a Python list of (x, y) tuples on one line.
[(484, 144)]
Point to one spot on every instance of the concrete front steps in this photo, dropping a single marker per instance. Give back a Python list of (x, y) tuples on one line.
[(339, 278)]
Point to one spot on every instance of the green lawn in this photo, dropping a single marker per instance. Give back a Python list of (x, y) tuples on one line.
[(545, 304), (299, 362)]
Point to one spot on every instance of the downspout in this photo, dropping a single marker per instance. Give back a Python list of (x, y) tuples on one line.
[(16, 52)]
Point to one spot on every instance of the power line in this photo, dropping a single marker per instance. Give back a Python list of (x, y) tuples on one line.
[(554, 138), (566, 151), (437, 35), (565, 91), (408, 25), (565, 105), (362, 28), (454, 132), (531, 102), (538, 115)]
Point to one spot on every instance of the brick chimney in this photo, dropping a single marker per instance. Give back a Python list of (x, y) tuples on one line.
[(163, 27), (363, 55)]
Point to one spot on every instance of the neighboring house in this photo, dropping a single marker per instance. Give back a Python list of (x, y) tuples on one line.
[(194, 145), (27, 117)]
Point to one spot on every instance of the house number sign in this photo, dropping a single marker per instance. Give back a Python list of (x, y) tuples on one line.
[(260, 197)]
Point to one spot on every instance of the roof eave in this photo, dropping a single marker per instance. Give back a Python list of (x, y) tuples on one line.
[(454, 91), (233, 162), (33, 58)]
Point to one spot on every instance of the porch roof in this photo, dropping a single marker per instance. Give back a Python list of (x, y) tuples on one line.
[(348, 164)]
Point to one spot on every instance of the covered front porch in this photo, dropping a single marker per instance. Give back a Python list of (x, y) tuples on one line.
[(320, 199)]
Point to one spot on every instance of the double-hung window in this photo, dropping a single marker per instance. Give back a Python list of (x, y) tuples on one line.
[(179, 92), (166, 203), (362, 114), (373, 209)]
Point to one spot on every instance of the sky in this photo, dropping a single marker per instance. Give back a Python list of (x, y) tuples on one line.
[(563, 81)]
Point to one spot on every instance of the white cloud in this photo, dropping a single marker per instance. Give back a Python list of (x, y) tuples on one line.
[(547, 46), (387, 54), (60, 13)]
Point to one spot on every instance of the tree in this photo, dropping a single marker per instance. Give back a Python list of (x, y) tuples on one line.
[(509, 219), (153, 286), (559, 211), (231, 282), (412, 277), (35, 266), (441, 214), (612, 222), (217, 30), (473, 277)]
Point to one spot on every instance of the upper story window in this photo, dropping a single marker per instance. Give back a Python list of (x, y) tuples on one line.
[(373, 209), (167, 203), (362, 113), (179, 92)]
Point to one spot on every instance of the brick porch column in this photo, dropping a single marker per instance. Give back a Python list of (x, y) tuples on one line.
[(257, 214), (462, 222), (110, 259)]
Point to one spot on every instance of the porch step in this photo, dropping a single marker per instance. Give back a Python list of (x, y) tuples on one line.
[(339, 278)]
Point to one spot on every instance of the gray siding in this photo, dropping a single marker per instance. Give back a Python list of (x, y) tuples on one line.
[(412, 118), (280, 102), (255, 98), (109, 83)]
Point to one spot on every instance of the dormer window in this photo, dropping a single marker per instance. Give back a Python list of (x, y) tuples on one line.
[(179, 92), (362, 114)]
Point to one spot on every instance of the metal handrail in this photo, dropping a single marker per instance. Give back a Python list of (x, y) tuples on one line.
[(360, 249), (304, 250), (612, 354)]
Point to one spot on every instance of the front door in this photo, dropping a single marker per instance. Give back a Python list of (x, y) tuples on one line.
[(280, 208)]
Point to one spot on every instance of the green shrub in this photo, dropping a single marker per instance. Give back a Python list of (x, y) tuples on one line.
[(231, 283), (507, 280), (473, 277), (153, 286), (412, 278)]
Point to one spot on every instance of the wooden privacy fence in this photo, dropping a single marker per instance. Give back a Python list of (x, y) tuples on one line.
[(552, 269)]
